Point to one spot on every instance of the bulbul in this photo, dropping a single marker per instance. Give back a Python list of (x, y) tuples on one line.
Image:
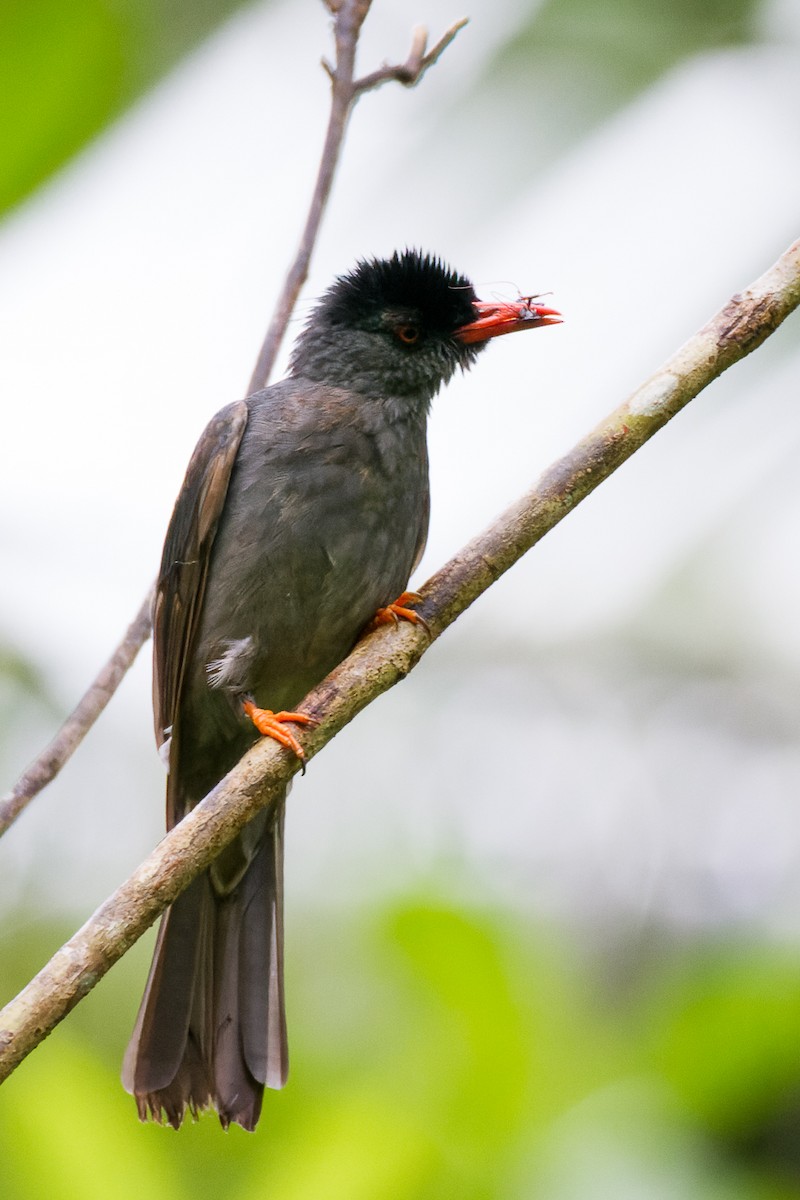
[(303, 513)]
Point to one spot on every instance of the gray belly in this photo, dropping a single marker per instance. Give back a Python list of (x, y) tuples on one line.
[(314, 539)]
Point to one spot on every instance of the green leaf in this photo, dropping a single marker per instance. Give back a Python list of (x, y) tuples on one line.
[(69, 67)]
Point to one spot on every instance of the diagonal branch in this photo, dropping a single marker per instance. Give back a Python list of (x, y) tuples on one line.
[(348, 17), (380, 661)]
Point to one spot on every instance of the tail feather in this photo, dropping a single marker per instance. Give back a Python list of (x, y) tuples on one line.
[(211, 1030), (264, 1045)]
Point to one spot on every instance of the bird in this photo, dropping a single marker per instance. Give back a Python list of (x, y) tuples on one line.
[(302, 515)]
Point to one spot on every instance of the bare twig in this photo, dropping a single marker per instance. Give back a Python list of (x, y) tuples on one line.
[(411, 71), (383, 659), (349, 16), (45, 768)]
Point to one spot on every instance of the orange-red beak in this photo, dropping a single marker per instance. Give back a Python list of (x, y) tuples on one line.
[(497, 318)]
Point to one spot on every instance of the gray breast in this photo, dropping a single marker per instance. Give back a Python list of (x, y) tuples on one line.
[(325, 515)]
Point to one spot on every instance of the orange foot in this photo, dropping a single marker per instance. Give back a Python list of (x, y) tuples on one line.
[(272, 724), (393, 613)]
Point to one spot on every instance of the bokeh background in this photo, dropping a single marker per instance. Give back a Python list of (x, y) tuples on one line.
[(544, 899)]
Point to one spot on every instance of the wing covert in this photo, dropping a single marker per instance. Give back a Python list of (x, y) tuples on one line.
[(184, 564)]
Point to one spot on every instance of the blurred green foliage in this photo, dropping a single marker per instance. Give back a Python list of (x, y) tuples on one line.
[(438, 1052), (574, 63), (441, 1052), (625, 43), (68, 67)]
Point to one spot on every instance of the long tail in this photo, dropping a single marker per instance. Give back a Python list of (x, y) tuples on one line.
[(211, 1028)]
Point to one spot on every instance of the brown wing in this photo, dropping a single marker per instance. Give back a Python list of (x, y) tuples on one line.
[(184, 563)]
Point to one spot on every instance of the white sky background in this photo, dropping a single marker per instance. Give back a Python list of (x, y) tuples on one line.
[(134, 292)]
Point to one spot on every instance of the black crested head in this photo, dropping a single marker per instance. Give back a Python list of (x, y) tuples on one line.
[(411, 280), (387, 328)]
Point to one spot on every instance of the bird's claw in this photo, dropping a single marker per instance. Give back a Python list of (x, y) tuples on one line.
[(392, 614), (273, 725)]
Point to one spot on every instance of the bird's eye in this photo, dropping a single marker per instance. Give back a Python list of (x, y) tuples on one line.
[(407, 334)]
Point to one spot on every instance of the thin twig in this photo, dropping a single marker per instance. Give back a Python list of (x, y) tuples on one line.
[(387, 656), (345, 91), (45, 768), (411, 71), (349, 16)]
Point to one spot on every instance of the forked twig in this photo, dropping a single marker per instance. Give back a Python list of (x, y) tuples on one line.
[(419, 60)]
